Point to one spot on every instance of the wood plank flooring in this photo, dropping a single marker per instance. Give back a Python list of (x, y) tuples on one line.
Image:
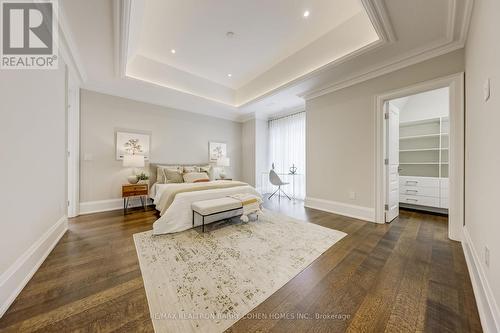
[(406, 276)]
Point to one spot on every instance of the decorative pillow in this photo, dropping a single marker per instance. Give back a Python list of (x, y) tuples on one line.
[(172, 176), (160, 175), (190, 168), (204, 180), (194, 177)]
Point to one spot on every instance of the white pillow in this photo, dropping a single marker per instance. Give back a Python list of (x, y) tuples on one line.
[(195, 177)]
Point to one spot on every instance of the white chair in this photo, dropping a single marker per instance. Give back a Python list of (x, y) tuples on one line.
[(276, 181)]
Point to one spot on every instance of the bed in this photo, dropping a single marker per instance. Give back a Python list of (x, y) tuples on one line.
[(173, 201)]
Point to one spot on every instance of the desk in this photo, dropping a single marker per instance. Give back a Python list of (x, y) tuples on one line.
[(286, 177)]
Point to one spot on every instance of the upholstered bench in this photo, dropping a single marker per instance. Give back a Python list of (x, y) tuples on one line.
[(213, 207)]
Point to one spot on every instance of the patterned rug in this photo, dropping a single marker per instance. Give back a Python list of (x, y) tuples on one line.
[(205, 282)]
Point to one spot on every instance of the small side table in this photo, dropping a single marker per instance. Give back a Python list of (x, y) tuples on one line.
[(135, 190)]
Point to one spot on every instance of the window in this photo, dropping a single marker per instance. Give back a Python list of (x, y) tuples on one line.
[(287, 147)]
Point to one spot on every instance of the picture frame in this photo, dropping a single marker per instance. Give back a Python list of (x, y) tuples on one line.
[(216, 150), (132, 142)]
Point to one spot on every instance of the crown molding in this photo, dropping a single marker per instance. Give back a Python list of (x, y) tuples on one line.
[(121, 29), (464, 28), (287, 112), (446, 45), (388, 67), (259, 116), (377, 12)]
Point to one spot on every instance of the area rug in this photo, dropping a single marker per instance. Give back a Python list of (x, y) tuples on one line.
[(205, 282)]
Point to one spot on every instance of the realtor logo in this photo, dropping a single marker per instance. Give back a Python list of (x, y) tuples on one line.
[(29, 34)]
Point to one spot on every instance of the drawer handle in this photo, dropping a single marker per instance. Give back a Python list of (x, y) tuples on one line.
[(414, 200), (414, 191), (408, 182)]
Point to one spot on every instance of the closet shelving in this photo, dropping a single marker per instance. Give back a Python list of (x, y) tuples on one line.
[(423, 159), (423, 148)]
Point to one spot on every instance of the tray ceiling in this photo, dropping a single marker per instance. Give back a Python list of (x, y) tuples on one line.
[(219, 49)]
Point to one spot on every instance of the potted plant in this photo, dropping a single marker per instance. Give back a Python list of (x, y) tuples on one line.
[(142, 178)]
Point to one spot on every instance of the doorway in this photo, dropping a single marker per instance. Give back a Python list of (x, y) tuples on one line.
[(417, 160), (420, 151)]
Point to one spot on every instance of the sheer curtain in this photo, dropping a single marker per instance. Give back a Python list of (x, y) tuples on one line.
[(287, 146)]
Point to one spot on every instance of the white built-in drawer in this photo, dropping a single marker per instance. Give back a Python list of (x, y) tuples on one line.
[(444, 202), (419, 200), (419, 181), (419, 190)]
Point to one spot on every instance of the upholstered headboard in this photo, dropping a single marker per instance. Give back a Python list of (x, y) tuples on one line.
[(153, 167)]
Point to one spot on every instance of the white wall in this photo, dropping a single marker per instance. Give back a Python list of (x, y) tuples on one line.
[(482, 168), (430, 104), (33, 170), (340, 136), (248, 151), (177, 137), (261, 152), (255, 144)]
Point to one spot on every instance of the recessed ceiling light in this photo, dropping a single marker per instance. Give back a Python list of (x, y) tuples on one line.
[(229, 75), (173, 51), (306, 13)]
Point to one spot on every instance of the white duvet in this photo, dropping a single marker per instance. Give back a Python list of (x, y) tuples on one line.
[(178, 217)]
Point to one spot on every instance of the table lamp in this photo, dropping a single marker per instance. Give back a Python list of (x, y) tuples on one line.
[(223, 162), (133, 161)]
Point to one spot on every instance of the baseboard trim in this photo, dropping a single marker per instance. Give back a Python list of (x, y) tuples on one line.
[(357, 212), (18, 274), (90, 207), (487, 307)]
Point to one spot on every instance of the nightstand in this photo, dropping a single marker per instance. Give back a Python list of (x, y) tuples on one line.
[(135, 190)]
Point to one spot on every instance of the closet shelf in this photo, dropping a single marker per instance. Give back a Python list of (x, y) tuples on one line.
[(421, 163), (419, 136), (419, 122), (421, 149)]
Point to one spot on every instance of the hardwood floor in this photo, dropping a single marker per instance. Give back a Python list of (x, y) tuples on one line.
[(400, 277)]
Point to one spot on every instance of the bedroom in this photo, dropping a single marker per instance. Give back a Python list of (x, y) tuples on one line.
[(184, 166)]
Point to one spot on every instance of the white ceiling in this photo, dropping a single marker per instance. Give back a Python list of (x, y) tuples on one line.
[(410, 31), (265, 33)]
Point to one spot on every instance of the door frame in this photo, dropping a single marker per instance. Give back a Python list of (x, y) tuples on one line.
[(73, 143), (387, 110), (455, 83)]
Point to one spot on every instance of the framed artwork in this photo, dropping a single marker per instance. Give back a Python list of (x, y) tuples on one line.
[(132, 143), (216, 150)]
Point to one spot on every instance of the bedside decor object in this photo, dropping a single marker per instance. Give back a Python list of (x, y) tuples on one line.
[(133, 161), (142, 177), (293, 169), (216, 150), (139, 190), (222, 163), (130, 143)]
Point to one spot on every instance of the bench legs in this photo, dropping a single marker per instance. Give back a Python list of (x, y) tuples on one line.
[(202, 221), (203, 217)]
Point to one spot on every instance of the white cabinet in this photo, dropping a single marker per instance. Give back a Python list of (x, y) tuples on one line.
[(419, 200), (420, 191)]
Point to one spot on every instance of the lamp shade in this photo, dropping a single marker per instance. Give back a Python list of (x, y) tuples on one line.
[(223, 162), (133, 161)]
